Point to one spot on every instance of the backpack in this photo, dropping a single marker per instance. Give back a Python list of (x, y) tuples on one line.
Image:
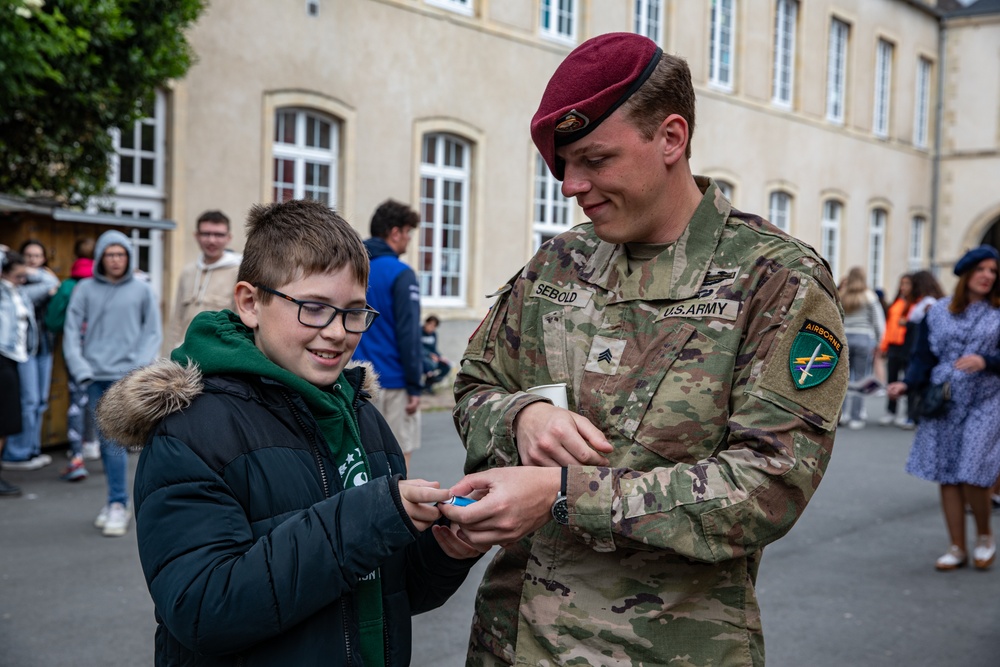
[(55, 315)]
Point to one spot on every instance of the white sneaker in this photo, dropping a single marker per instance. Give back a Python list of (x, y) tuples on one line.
[(34, 463), (855, 424), (117, 520), (952, 559), (985, 552), (887, 420), (91, 451), (844, 419), (906, 425), (102, 517)]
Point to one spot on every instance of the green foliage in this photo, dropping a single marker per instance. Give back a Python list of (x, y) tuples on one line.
[(70, 70)]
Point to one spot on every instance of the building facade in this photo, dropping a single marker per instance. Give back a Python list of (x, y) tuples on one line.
[(822, 115)]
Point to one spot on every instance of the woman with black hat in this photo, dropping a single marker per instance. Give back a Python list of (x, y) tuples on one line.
[(956, 445)]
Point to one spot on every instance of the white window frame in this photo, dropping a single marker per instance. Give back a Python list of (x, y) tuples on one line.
[(158, 155), (301, 155), (883, 88), (786, 14), (833, 213), (918, 227), (722, 44), (558, 19), (648, 20), (441, 175), (780, 210), (727, 189), (876, 246), (921, 110), (836, 70), (552, 212), (458, 6)]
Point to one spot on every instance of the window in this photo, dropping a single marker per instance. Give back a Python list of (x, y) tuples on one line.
[(553, 212), (727, 189), (786, 13), (876, 247), (836, 74), (922, 103), (649, 19), (459, 6), (312, 7), (722, 43), (917, 227), (883, 81), (558, 19), (137, 166), (780, 211), (830, 234), (444, 212), (306, 145)]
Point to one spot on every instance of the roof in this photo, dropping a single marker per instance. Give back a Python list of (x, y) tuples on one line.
[(9, 204), (978, 8)]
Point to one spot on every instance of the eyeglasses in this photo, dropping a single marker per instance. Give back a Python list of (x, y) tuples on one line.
[(116, 255), (318, 315)]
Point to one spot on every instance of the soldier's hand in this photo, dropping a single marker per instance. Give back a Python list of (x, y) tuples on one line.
[(518, 501), (417, 494), (551, 436)]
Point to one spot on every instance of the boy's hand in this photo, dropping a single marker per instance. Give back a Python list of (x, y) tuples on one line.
[(417, 494), (448, 539)]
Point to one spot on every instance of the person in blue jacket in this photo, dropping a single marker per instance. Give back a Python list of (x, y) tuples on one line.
[(393, 344), (274, 522)]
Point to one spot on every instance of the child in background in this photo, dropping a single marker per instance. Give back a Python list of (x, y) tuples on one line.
[(274, 521)]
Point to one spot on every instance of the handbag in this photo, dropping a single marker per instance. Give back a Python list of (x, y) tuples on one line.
[(934, 400)]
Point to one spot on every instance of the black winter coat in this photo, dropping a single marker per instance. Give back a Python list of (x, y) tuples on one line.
[(249, 544)]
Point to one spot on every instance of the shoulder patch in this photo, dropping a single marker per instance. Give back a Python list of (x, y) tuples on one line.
[(813, 356)]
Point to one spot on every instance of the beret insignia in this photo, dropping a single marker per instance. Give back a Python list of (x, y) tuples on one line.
[(571, 122)]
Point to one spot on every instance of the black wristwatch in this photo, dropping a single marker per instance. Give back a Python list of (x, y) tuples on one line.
[(559, 510)]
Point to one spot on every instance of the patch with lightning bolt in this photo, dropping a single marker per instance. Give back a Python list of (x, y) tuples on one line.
[(814, 354)]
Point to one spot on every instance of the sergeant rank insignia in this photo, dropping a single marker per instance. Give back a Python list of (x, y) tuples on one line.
[(814, 354)]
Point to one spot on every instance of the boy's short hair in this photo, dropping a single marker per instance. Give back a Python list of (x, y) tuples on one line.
[(291, 240), (392, 214), (432, 318), (212, 216)]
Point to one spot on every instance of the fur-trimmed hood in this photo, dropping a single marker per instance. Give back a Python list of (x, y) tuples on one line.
[(132, 407)]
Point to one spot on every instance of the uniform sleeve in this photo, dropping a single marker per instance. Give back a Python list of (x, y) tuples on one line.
[(220, 591), (779, 442), (488, 390)]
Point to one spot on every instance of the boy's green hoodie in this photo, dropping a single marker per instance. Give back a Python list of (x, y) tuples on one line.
[(221, 344)]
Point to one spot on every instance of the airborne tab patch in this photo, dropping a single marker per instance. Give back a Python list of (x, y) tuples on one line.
[(814, 354)]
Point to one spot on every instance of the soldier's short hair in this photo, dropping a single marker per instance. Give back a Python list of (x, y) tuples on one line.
[(668, 90)]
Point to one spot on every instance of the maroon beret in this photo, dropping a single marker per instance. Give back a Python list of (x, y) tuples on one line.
[(587, 87)]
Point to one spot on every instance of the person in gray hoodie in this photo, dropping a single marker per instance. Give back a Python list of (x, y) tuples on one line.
[(119, 318)]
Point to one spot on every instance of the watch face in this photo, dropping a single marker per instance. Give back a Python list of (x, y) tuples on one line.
[(560, 512)]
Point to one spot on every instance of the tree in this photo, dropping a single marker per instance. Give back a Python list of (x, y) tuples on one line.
[(70, 71)]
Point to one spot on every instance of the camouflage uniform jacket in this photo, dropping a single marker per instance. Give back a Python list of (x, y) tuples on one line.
[(684, 364)]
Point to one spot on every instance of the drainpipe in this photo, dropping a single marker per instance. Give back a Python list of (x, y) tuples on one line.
[(936, 160)]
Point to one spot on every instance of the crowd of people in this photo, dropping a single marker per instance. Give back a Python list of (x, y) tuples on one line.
[(277, 417)]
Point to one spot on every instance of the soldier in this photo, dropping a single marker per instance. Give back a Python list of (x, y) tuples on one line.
[(702, 350)]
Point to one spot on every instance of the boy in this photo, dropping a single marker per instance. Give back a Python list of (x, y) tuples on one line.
[(113, 320), (272, 521)]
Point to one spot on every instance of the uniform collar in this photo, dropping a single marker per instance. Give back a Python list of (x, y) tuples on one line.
[(677, 272)]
